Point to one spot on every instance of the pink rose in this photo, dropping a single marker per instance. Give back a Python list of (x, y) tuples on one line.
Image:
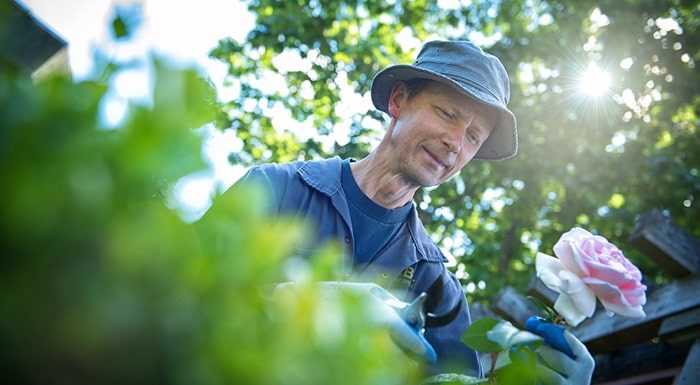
[(588, 266)]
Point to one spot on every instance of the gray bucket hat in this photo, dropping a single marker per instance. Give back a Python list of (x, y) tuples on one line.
[(471, 71)]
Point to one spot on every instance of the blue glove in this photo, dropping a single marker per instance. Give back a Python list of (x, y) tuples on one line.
[(566, 359), (553, 335)]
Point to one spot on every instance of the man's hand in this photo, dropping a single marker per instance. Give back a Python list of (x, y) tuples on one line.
[(386, 310), (575, 367)]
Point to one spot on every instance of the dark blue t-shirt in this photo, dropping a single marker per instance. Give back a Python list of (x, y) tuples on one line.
[(373, 226)]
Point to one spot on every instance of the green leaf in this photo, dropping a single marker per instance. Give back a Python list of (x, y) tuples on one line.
[(522, 369), (549, 314), (119, 28), (126, 21), (453, 378), (506, 335), (475, 336)]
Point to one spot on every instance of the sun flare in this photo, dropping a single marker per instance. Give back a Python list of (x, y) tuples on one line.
[(595, 81)]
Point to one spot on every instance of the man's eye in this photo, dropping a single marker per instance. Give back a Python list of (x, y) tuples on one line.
[(473, 138), (444, 113)]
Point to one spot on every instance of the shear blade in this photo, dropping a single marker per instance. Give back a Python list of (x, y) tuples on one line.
[(434, 296)]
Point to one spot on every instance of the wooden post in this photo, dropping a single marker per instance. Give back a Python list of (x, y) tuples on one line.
[(670, 246), (478, 311), (514, 307), (681, 329), (690, 374)]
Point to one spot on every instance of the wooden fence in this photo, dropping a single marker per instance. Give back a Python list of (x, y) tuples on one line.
[(662, 348)]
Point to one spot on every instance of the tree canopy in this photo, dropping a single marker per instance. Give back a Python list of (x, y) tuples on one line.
[(594, 152)]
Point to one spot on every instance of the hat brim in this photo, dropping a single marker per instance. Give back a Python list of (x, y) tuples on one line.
[(501, 144)]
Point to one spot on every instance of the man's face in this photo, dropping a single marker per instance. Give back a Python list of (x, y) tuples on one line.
[(436, 132)]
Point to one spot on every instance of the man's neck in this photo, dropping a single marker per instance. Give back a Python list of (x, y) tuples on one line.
[(381, 183)]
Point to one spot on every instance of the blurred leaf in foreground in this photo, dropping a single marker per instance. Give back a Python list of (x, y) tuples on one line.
[(102, 282)]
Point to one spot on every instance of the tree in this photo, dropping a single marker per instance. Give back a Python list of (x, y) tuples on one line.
[(591, 161)]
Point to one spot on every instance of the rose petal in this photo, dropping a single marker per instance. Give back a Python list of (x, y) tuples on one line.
[(566, 308), (579, 261), (603, 289), (636, 296), (577, 233), (614, 300), (633, 291), (607, 273), (625, 311), (581, 295), (548, 269), (567, 247)]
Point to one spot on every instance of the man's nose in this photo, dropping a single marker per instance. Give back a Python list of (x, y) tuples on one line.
[(453, 139)]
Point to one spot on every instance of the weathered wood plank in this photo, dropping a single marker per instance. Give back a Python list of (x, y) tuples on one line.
[(637, 364), (690, 374), (602, 333), (681, 329), (479, 311), (32, 43), (670, 246), (654, 378), (514, 307)]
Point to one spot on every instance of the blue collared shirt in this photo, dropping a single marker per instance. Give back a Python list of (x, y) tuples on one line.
[(311, 191)]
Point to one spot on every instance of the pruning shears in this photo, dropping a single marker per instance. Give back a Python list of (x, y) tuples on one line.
[(406, 321), (418, 315)]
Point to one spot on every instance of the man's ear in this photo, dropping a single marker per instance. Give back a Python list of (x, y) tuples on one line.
[(397, 98)]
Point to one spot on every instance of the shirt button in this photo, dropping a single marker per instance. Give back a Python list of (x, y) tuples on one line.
[(347, 240), (385, 275)]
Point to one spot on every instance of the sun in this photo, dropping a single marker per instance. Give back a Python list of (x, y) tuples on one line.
[(594, 81)]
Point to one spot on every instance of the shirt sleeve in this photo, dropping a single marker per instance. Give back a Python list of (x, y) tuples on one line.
[(271, 180)]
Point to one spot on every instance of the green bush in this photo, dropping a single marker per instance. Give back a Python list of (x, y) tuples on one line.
[(102, 281)]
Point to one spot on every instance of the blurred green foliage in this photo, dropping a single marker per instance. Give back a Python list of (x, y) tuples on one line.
[(593, 162), (501, 339), (102, 282)]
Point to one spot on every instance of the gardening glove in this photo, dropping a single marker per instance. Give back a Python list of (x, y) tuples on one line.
[(385, 309), (566, 359)]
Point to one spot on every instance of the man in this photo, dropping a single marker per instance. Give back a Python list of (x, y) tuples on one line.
[(446, 109)]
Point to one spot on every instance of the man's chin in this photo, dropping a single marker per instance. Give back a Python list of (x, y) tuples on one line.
[(430, 183)]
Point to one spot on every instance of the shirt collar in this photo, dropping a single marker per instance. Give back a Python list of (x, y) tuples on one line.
[(324, 176)]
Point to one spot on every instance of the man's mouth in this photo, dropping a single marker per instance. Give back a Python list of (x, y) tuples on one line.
[(437, 159)]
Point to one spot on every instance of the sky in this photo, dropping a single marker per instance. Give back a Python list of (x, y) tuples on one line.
[(181, 31)]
